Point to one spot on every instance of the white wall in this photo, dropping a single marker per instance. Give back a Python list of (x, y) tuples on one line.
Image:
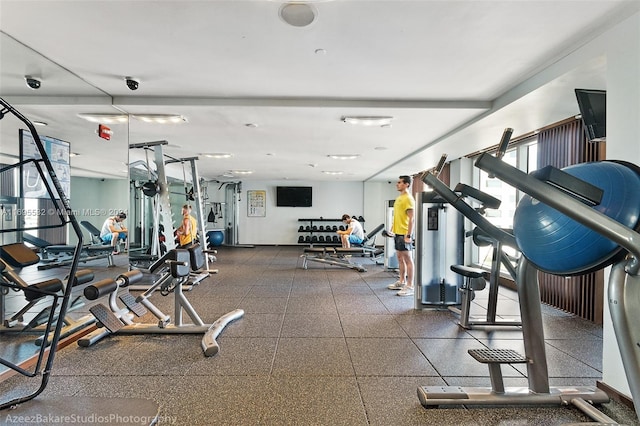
[(280, 225), (376, 197), (94, 200), (623, 142)]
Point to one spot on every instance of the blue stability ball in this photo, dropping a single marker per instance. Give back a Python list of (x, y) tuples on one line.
[(215, 238), (560, 245)]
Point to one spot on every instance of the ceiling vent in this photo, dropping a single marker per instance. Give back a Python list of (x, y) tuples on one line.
[(297, 14)]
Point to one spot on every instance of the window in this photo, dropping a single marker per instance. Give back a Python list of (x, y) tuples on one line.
[(523, 157)]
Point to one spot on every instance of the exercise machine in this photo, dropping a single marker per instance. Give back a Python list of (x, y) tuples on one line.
[(390, 256), (58, 255), (440, 243), (64, 217), (566, 194), (31, 317), (157, 189), (605, 229), (475, 279), (119, 320), (232, 194), (340, 256)]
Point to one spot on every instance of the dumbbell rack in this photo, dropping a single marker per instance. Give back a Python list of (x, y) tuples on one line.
[(325, 231)]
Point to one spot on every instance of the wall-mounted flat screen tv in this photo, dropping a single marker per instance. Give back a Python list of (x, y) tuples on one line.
[(593, 108), (293, 196)]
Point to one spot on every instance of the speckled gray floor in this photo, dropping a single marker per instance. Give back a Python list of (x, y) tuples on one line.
[(322, 346)]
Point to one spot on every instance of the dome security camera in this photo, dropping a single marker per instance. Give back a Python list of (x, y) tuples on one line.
[(132, 83), (32, 83)]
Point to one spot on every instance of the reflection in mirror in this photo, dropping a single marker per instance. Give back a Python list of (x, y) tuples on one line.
[(92, 172), (161, 184)]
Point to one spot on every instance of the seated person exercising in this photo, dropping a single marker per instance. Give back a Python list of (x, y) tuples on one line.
[(354, 234), (113, 230), (188, 229)]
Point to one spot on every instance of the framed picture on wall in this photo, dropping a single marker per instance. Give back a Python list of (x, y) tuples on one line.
[(256, 203)]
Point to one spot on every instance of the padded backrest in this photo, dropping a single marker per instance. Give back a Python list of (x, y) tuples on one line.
[(196, 256), (89, 227), (372, 235), (18, 255), (180, 266), (38, 242), (94, 232)]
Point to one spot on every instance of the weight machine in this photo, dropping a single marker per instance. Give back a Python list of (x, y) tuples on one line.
[(60, 300), (157, 188), (582, 202)]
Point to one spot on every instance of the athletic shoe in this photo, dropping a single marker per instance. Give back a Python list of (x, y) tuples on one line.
[(406, 291), (115, 252), (398, 285)]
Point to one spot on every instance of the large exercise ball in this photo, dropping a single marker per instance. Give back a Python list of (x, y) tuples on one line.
[(559, 245), (215, 237)]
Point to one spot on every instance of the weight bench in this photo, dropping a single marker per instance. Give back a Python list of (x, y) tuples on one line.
[(87, 253), (94, 233), (327, 256), (366, 248), (19, 255)]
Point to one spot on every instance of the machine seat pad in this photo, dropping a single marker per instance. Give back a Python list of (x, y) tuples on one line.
[(35, 291), (196, 257), (97, 248), (60, 248), (469, 271), (320, 250), (18, 255), (351, 250)]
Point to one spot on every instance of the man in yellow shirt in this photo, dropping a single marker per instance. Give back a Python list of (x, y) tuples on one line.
[(403, 220), (188, 228)]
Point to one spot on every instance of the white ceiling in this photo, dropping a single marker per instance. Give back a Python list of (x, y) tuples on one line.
[(453, 74)]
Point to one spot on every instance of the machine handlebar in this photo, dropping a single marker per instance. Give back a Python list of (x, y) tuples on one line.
[(567, 204), (469, 212)]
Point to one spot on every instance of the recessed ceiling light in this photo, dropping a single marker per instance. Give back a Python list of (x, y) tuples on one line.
[(39, 123), (329, 172), (160, 118), (320, 52), (297, 14), (241, 172), (105, 118), (216, 155), (343, 156), (251, 125), (368, 120), (73, 154), (380, 148)]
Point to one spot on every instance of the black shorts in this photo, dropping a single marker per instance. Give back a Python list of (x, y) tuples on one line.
[(400, 244)]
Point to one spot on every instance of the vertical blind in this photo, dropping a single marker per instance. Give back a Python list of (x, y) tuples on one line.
[(582, 295)]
